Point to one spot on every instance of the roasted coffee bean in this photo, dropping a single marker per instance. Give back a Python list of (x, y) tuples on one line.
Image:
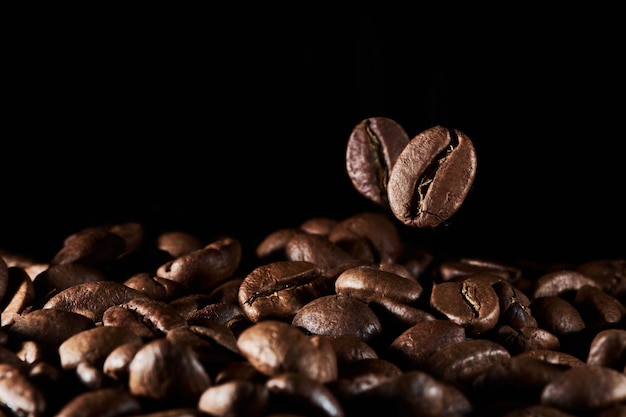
[(178, 243), (413, 393), (319, 225), (279, 289), (116, 402), (539, 410), (336, 315), (4, 278), (116, 363), (203, 269), (554, 356), (610, 274), (239, 370), (462, 362), (274, 347), (373, 284), (361, 375), (472, 303), (373, 147), (93, 345), (92, 299), (608, 349), (19, 394), (450, 269), (162, 372), (227, 292), (431, 177), (148, 317), (318, 250), (560, 282), (292, 392), (598, 307), (556, 315), (95, 246), (414, 346), (350, 348), (235, 398), (272, 246), (59, 277), (157, 288), (377, 229), (397, 315), (585, 388), (517, 316), (59, 326), (525, 338), (20, 295), (228, 314)]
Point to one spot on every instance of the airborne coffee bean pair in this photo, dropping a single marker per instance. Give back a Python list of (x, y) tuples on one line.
[(423, 180)]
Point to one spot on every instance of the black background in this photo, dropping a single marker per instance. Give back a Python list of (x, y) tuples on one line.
[(220, 123)]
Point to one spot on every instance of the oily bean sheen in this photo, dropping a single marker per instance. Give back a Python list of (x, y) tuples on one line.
[(373, 147), (431, 177)]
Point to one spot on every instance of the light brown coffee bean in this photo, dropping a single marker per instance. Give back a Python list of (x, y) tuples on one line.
[(431, 177)]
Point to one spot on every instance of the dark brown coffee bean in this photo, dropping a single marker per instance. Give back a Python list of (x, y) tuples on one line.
[(187, 305), (116, 402), (585, 388), (373, 284), (450, 269), (525, 338), (358, 376), (316, 249), (560, 282), (203, 269), (273, 347), (94, 247), (279, 289), (116, 363), (235, 398), (472, 303), (508, 295), (373, 147), (93, 345), (146, 317), (157, 288), (462, 362), (91, 299), (62, 276), (335, 315), (292, 392), (598, 307), (173, 412), (431, 177), (59, 325), (413, 393), (350, 348), (19, 394), (610, 274), (272, 246), (133, 234), (178, 243), (517, 316), (398, 316), (165, 373), (553, 356), (20, 294), (239, 370), (377, 229), (227, 292), (231, 315), (536, 411), (608, 348), (319, 225), (415, 345), (556, 315)]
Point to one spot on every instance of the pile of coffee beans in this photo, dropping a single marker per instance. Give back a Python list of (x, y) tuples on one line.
[(333, 317)]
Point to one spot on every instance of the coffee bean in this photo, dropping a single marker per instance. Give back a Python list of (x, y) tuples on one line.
[(146, 317), (20, 294), (608, 349), (560, 283), (56, 278), (115, 401), (610, 274), (279, 289), (204, 268), (372, 284), (292, 392), (525, 338), (95, 246), (178, 243), (373, 147), (59, 325), (337, 315), (235, 398), (585, 388), (472, 303), (19, 394), (431, 177), (556, 315)]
